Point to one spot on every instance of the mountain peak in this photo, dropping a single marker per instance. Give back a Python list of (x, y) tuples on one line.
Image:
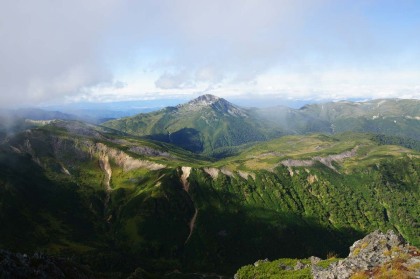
[(206, 99), (215, 103), (203, 101)]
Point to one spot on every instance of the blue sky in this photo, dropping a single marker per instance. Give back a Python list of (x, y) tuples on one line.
[(117, 50)]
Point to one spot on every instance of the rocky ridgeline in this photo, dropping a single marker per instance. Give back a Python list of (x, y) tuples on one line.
[(15, 265), (378, 255)]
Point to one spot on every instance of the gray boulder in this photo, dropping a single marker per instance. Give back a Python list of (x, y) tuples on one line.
[(372, 251)]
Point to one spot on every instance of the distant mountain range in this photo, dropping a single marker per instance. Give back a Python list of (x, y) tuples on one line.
[(200, 189), (209, 124), (216, 127)]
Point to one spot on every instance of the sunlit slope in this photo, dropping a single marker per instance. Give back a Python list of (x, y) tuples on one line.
[(383, 116), (214, 126), (119, 202), (341, 152), (202, 125)]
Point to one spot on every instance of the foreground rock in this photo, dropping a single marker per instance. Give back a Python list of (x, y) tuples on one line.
[(378, 255), (15, 265)]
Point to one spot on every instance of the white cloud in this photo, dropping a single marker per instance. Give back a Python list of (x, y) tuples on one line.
[(336, 85), (173, 81), (111, 49), (49, 48)]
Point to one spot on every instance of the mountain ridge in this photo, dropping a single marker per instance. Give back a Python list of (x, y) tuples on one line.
[(209, 124)]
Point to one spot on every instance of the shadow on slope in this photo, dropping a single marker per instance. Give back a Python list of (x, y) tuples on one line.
[(229, 233), (187, 138)]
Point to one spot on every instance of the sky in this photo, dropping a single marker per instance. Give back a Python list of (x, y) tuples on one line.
[(60, 51)]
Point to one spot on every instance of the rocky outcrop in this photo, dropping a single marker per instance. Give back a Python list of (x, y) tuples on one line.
[(327, 161), (218, 104), (213, 172), (184, 178), (15, 265), (378, 254), (246, 175), (121, 158), (148, 151)]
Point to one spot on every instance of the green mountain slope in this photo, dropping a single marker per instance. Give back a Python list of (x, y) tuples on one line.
[(202, 125), (213, 126), (382, 116), (118, 202)]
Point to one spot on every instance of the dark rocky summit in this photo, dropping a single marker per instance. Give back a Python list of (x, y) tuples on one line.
[(15, 265), (378, 255)]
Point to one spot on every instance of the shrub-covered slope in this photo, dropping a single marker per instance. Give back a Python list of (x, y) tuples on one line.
[(201, 125), (118, 202), (383, 116)]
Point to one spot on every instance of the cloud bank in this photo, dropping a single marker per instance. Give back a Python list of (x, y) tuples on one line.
[(104, 50), (49, 49)]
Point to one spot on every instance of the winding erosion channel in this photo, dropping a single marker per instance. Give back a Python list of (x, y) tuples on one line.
[(186, 185)]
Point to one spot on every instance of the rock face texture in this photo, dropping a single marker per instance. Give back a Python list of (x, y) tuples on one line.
[(378, 255), (39, 266)]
